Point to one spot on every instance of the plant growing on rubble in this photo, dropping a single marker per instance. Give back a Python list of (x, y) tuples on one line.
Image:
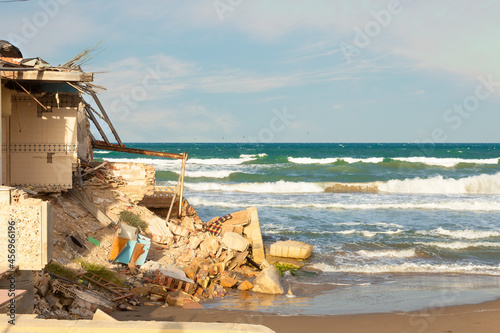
[(58, 269), (133, 220), (282, 267), (102, 272)]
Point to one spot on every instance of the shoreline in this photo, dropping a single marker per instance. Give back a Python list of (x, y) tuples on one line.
[(479, 318)]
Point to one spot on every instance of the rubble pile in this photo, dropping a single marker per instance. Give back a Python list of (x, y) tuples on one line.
[(176, 263)]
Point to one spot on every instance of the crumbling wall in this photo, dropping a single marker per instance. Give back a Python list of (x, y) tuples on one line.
[(25, 225), (43, 145), (85, 151), (140, 178)]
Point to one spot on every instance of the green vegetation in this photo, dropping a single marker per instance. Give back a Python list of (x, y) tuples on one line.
[(58, 269), (283, 267), (133, 220), (102, 272)]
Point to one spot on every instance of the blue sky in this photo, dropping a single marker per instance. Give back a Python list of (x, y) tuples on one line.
[(280, 70)]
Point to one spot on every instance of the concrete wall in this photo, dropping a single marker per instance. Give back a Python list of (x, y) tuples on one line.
[(31, 220), (139, 178), (43, 145)]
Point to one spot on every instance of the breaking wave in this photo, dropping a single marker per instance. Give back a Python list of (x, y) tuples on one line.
[(481, 184), (461, 234), (487, 206), (431, 161), (367, 233), (209, 174), (408, 253), (409, 268), (460, 245), (277, 187)]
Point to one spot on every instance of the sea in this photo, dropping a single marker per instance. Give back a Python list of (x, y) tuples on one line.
[(394, 227)]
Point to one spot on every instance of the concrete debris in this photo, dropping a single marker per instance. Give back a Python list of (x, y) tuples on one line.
[(268, 281), (185, 262), (235, 241), (291, 249)]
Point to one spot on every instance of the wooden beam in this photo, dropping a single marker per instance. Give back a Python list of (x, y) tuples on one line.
[(96, 123), (123, 149), (47, 76), (106, 118)]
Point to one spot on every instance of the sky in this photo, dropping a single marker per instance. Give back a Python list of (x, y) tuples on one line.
[(279, 70)]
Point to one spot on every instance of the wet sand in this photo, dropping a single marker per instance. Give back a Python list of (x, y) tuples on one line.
[(477, 318)]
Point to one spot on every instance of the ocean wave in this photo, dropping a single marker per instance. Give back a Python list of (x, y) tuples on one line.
[(481, 184), (431, 161), (475, 206), (408, 268), (378, 224), (330, 160), (460, 245), (209, 174), (446, 162), (101, 152), (253, 156), (220, 161), (368, 233), (462, 234), (277, 187), (407, 253), (162, 163)]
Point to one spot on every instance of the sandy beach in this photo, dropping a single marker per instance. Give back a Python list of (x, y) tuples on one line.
[(477, 318)]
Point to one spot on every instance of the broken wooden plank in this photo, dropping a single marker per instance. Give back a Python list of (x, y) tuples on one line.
[(102, 145), (92, 117), (40, 75), (106, 118)]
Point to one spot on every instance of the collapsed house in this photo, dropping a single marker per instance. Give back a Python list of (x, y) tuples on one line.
[(45, 138)]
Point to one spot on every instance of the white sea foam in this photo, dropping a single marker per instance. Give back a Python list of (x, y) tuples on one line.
[(253, 156), (434, 161), (330, 160), (488, 206), (277, 187), (406, 253), (209, 173), (379, 224), (445, 162), (101, 152), (482, 184), (162, 163), (368, 233), (462, 234), (220, 161), (459, 245), (409, 267)]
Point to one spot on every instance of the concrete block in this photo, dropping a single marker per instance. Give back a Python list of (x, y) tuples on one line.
[(291, 249), (235, 241), (269, 281)]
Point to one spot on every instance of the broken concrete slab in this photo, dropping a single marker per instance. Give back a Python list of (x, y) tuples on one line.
[(254, 233), (291, 249), (235, 241), (269, 281)]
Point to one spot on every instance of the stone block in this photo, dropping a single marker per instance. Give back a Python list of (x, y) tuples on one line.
[(178, 298), (228, 282), (245, 285), (291, 249), (235, 241), (178, 230), (140, 291), (268, 281)]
